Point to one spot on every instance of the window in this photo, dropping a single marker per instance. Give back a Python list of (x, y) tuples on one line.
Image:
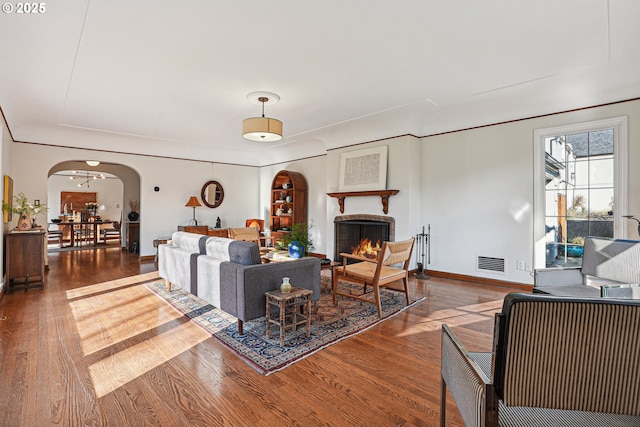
[(580, 189)]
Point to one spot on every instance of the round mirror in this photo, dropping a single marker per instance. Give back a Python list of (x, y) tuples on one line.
[(212, 194)]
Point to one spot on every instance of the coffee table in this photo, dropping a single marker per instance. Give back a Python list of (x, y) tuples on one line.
[(294, 309)]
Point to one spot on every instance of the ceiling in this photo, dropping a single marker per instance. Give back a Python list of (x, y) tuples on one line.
[(170, 78)]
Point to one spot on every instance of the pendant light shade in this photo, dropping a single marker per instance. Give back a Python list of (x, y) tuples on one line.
[(262, 129)]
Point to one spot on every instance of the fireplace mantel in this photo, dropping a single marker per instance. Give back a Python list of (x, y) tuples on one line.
[(384, 197)]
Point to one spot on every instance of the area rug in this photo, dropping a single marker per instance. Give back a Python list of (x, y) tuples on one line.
[(329, 324)]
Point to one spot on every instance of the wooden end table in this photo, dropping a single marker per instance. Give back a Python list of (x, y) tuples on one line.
[(289, 315)]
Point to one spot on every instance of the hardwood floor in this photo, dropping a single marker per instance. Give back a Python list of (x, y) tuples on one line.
[(96, 348)]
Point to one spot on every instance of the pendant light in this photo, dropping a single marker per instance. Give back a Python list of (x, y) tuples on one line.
[(262, 129)]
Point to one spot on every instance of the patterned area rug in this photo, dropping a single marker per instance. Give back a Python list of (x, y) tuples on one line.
[(329, 324)]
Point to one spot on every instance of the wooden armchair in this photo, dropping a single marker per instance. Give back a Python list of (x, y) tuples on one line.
[(248, 234), (557, 361), (379, 273)]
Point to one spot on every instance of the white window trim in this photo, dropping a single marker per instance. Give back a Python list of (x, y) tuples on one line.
[(620, 171)]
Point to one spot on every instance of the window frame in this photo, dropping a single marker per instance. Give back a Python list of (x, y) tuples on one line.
[(620, 176)]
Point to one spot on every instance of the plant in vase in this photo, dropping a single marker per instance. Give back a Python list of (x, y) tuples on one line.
[(297, 241), (133, 206), (92, 207), (27, 212)]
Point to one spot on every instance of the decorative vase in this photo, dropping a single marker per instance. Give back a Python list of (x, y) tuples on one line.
[(285, 287), (24, 223), (133, 216), (296, 250)]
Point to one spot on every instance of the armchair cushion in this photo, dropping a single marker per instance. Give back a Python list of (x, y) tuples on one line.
[(605, 262)]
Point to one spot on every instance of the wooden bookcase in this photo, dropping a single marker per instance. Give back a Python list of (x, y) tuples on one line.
[(289, 194)]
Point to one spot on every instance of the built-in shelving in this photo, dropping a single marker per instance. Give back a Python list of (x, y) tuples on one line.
[(288, 202)]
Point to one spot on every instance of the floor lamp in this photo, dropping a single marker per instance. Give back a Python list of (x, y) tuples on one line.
[(193, 203)]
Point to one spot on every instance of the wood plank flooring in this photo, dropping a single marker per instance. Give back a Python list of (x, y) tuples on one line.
[(96, 348)]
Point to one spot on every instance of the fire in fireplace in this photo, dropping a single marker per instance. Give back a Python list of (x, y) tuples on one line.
[(356, 233), (367, 249)]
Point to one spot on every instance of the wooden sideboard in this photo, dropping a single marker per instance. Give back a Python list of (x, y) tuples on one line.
[(24, 259), (204, 229)]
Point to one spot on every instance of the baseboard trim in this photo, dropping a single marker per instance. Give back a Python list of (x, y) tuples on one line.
[(482, 280)]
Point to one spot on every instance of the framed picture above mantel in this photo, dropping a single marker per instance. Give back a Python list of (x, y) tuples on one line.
[(364, 170)]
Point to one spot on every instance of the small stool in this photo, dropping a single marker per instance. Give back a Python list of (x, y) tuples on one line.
[(287, 304)]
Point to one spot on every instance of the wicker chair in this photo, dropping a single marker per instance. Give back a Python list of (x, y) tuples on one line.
[(379, 272), (249, 234), (557, 361)]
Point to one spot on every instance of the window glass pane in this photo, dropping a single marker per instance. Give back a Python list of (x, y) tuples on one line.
[(600, 201), (551, 204), (601, 142), (551, 235), (579, 144), (581, 176), (578, 207), (601, 173), (577, 230), (602, 228)]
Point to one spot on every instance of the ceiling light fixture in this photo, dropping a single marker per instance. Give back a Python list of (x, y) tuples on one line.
[(262, 129), (92, 162), (87, 179)]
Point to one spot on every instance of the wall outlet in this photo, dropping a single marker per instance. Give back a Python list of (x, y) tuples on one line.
[(520, 265)]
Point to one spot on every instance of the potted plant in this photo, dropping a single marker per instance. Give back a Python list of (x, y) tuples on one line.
[(297, 241), (25, 211), (133, 213)]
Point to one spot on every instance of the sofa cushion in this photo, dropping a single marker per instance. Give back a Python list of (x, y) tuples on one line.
[(245, 253)]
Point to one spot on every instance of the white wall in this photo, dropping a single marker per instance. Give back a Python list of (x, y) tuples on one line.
[(477, 191), (163, 211), (403, 173)]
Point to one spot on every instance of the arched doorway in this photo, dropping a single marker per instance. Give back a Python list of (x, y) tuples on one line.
[(112, 186)]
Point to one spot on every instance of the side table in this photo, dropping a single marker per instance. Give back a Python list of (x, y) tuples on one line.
[(157, 242), (287, 304)]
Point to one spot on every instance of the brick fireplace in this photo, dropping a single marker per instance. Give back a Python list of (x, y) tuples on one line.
[(350, 230)]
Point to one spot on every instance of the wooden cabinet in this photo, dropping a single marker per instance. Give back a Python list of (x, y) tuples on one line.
[(25, 259), (288, 202), (198, 229), (133, 236)]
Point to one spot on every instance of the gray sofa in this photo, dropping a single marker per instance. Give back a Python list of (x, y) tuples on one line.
[(229, 274), (604, 262), (177, 260)]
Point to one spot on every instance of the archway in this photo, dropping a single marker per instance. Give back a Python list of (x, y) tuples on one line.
[(113, 194)]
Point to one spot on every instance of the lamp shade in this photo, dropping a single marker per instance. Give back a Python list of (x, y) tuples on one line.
[(193, 202), (262, 129)]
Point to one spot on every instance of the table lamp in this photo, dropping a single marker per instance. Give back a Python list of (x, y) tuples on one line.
[(193, 203)]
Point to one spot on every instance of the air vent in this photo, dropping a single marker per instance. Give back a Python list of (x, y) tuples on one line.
[(491, 264)]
